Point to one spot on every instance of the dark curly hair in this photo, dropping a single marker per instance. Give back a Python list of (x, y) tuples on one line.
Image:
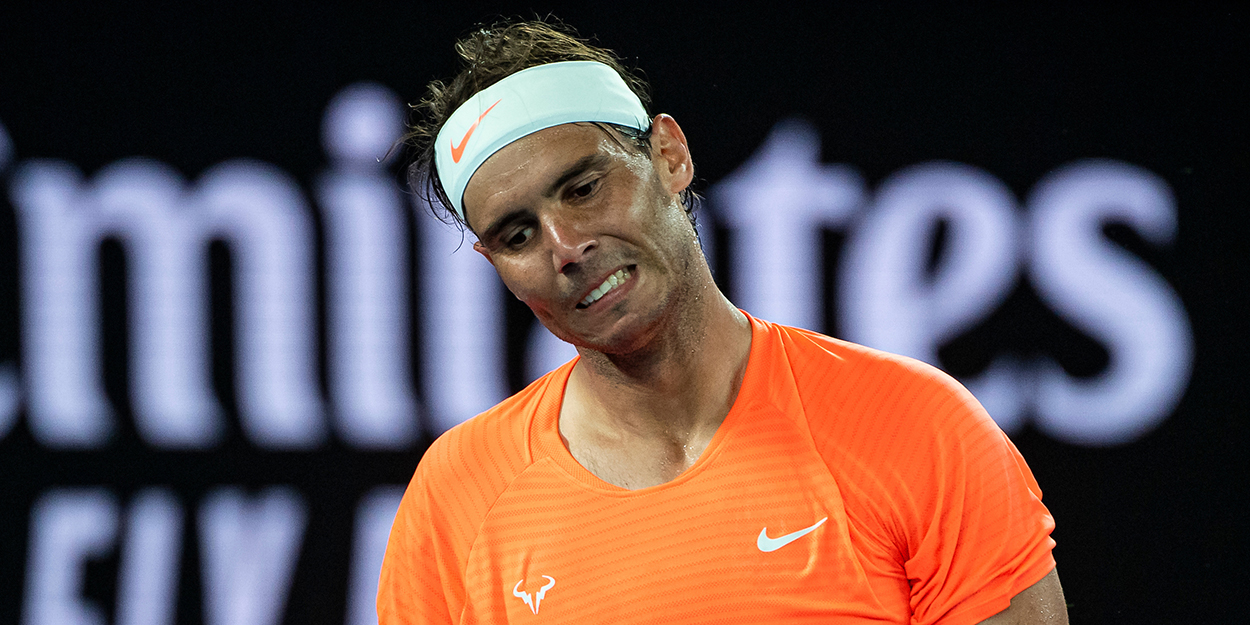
[(490, 54)]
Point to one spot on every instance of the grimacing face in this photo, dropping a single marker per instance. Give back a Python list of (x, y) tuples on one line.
[(588, 233)]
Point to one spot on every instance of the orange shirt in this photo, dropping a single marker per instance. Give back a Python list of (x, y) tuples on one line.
[(845, 485)]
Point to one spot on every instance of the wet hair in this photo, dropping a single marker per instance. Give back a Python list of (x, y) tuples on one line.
[(488, 55)]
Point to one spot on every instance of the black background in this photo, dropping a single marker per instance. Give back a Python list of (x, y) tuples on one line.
[(1149, 532)]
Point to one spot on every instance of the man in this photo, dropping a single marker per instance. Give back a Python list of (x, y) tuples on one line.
[(693, 464)]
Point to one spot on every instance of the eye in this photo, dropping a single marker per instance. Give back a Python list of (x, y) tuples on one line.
[(584, 190), (518, 238)]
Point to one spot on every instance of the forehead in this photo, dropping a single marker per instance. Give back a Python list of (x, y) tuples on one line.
[(529, 166)]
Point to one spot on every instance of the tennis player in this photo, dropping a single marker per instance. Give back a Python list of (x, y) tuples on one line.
[(693, 464)]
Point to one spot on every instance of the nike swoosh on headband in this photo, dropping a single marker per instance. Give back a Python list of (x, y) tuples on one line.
[(458, 150)]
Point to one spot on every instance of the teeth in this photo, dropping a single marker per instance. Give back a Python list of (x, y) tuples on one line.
[(612, 282)]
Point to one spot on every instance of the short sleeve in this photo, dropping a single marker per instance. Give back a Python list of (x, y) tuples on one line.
[(977, 532), (416, 583)]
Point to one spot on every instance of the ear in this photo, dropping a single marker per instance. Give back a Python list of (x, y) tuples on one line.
[(481, 249), (671, 153)]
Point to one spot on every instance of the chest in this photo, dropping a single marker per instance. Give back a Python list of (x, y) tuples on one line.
[(756, 533), (640, 466)]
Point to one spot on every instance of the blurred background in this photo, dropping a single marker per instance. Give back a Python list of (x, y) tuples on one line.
[(228, 332)]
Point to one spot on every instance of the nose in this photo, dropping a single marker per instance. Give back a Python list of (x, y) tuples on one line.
[(570, 242)]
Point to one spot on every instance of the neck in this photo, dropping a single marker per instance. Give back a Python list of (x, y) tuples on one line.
[(676, 389)]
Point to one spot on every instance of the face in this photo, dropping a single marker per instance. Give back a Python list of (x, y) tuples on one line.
[(587, 232)]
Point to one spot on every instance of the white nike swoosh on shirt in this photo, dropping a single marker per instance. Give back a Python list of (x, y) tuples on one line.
[(767, 544)]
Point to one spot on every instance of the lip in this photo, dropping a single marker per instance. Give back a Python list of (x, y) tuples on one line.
[(611, 296)]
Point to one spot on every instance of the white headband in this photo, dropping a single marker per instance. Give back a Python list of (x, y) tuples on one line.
[(524, 103)]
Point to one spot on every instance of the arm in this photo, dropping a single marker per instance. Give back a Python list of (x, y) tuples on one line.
[(1039, 604), (980, 533)]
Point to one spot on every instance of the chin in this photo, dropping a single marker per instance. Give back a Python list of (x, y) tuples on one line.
[(625, 337), (612, 346), (609, 344)]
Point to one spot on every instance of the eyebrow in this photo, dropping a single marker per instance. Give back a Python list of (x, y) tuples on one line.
[(578, 167)]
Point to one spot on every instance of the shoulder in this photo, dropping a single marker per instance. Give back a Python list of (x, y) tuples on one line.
[(466, 469), (463, 473), (492, 447), (830, 372), (889, 416), (457, 481)]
